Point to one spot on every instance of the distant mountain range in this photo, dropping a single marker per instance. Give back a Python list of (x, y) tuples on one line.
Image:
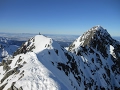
[(8, 47), (91, 62)]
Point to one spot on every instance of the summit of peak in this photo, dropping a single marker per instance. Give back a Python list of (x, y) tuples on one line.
[(95, 34), (98, 28), (38, 44)]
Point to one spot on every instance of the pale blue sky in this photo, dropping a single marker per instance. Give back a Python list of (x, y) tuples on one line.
[(59, 16)]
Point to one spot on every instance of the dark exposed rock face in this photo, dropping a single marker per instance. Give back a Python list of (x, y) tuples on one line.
[(1, 88), (9, 72), (13, 87), (5, 64), (26, 47)]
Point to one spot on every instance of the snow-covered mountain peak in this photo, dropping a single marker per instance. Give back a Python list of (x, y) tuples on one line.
[(97, 27), (42, 45), (37, 44), (98, 48), (92, 37), (95, 32)]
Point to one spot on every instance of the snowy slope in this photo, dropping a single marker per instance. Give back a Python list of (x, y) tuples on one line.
[(42, 64), (42, 56)]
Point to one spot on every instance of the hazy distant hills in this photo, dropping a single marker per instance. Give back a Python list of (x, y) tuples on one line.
[(64, 40)]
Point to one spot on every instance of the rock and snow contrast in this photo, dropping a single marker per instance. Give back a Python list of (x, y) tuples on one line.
[(92, 62)]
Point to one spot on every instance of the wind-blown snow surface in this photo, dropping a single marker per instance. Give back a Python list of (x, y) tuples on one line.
[(42, 64), (39, 71), (36, 75)]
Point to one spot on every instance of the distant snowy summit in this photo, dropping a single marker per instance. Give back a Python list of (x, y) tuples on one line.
[(98, 27), (91, 63), (97, 35)]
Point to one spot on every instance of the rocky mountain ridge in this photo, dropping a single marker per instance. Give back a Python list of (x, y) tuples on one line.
[(92, 62)]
